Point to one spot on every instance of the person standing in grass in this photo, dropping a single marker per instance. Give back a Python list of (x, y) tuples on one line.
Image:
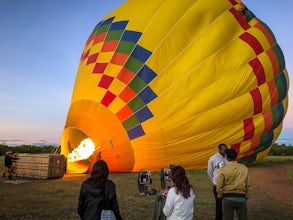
[(234, 187), (8, 167), (215, 162), (94, 192), (179, 201)]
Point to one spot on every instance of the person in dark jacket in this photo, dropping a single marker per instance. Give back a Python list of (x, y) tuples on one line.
[(92, 193), (8, 164)]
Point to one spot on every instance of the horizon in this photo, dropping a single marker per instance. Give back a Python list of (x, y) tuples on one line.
[(286, 139)]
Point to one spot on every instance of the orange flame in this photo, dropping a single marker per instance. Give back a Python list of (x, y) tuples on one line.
[(84, 150)]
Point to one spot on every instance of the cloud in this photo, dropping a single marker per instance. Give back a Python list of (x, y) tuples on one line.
[(17, 142)]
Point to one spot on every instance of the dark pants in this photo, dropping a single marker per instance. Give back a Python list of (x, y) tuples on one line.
[(158, 209), (8, 169), (219, 212), (230, 205)]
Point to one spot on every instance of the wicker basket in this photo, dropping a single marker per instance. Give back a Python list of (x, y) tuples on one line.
[(40, 166)]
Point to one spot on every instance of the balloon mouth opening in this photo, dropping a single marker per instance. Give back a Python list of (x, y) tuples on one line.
[(83, 151)]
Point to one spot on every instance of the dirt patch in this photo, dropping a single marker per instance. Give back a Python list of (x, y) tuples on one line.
[(275, 181)]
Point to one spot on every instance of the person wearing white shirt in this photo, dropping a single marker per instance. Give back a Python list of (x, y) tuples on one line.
[(179, 202), (215, 162)]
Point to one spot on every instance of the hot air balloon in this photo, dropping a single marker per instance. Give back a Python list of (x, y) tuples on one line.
[(164, 82)]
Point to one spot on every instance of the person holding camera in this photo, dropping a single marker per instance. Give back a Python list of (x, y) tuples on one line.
[(180, 197)]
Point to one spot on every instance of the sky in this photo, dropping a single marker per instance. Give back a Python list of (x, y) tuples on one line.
[(40, 47)]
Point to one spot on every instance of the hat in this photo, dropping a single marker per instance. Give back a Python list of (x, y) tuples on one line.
[(231, 154)]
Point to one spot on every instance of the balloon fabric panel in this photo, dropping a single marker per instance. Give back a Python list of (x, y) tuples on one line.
[(165, 82)]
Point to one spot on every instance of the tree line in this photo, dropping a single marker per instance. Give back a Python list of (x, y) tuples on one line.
[(32, 149), (281, 150)]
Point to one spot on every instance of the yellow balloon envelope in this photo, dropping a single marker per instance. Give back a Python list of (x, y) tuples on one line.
[(165, 82)]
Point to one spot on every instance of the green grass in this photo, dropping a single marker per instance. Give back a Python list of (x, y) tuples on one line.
[(290, 174), (270, 161), (57, 198)]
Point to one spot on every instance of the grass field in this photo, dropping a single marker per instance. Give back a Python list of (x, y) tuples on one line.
[(57, 198)]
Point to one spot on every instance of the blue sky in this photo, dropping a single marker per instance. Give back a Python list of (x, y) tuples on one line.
[(40, 46)]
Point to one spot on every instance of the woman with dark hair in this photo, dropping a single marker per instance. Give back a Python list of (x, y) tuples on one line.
[(93, 192), (179, 201)]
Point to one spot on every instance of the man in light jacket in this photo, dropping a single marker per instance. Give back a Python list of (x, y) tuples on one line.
[(215, 162)]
